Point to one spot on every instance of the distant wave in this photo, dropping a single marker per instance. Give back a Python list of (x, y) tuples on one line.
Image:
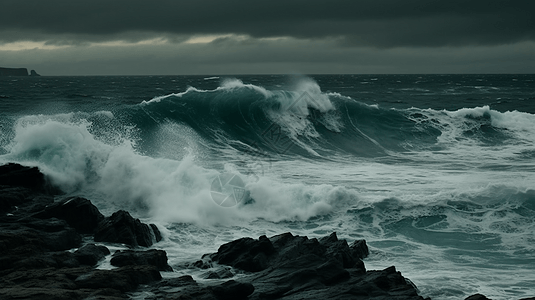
[(306, 121)]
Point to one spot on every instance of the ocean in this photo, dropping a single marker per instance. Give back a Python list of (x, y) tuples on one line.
[(435, 172)]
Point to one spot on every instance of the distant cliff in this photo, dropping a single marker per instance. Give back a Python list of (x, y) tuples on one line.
[(16, 72)]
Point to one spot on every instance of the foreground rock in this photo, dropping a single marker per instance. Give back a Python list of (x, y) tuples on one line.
[(153, 257), (79, 213), (121, 227), (43, 256), (38, 236), (295, 267), (290, 267)]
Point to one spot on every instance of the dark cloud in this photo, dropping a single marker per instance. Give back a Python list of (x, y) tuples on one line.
[(386, 23)]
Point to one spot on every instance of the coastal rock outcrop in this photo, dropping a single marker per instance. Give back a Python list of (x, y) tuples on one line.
[(13, 71), (153, 257), (42, 251), (91, 254), (296, 267), (46, 253), (121, 227), (79, 213), (19, 176)]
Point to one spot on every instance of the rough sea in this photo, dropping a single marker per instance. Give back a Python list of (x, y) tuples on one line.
[(435, 172)]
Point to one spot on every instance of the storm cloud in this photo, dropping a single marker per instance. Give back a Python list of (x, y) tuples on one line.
[(387, 23), (236, 36)]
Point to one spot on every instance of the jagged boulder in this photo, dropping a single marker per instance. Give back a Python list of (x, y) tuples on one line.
[(153, 257), (21, 176), (79, 213), (91, 254), (296, 267), (121, 227), (246, 254)]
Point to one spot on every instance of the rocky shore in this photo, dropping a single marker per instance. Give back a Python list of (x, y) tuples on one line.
[(50, 246), (17, 72)]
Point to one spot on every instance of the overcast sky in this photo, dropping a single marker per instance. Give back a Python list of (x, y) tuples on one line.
[(172, 37)]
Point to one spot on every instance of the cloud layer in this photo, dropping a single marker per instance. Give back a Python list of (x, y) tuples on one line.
[(380, 23), (97, 37)]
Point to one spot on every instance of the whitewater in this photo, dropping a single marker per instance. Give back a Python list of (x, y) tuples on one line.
[(435, 172)]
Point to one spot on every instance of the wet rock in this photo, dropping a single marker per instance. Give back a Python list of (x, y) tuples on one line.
[(339, 250), (477, 297), (295, 267), (156, 231), (79, 213), (219, 273), (21, 176), (123, 279), (245, 253), (121, 227), (37, 234), (185, 287), (231, 290), (359, 249), (153, 257), (34, 235), (11, 197), (60, 259), (91, 254)]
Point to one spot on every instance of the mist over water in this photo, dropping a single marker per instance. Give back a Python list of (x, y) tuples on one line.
[(435, 172)]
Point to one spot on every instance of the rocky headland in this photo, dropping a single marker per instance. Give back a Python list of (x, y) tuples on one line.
[(51, 245), (17, 72)]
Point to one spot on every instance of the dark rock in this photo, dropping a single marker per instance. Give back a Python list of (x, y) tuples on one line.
[(246, 254), (153, 257), (21, 176), (36, 232), (204, 263), (477, 297), (34, 293), (231, 290), (33, 73), (13, 71), (156, 231), (46, 278), (181, 281), (123, 279), (219, 273), (359, 249), (79, 213), (121, 227), (186, 288), (340, 251), (34, 235), (35, 244), (293, 267), (91, 254), (47, 260), (11, 197)]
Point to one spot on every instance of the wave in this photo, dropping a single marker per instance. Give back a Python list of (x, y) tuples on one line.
[(161, 156), (305, 121), (68, 149), (472, 223)]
